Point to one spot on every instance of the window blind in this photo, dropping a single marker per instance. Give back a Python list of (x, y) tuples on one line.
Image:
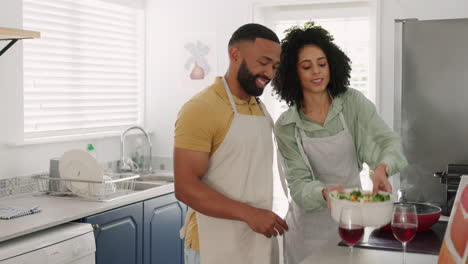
[(85, 74)]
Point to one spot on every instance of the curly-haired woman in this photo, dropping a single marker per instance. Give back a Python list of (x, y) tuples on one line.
[(325, 136)]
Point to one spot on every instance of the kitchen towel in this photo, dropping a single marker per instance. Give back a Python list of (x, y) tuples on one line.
[(9, 212)]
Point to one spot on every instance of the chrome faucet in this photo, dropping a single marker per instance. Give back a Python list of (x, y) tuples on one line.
[(124, 165)]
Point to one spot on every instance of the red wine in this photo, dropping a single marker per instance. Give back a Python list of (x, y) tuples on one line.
[(404, 231), (351, 236)]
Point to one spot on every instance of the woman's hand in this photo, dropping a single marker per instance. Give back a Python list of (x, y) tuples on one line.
[(326, 193), (380, 181)]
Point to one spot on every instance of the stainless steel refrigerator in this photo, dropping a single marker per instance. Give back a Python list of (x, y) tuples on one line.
[(431, 101)]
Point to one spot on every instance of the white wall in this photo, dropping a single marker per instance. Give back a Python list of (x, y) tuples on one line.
[(167, 24), (201, 16)]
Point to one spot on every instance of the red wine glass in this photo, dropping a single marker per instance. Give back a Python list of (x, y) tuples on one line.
[(404, 224), (351, 229)]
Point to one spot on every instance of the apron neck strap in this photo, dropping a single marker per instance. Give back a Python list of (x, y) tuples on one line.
[(343, 123), (229, 94), (298, 134)]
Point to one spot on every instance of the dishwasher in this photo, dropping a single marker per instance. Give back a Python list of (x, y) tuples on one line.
[(70, 243)]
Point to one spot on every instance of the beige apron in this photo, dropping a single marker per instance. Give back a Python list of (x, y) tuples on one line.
[(240, 169), (333, 160)]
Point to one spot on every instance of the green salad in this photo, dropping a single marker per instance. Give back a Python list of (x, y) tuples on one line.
[(358, 196)]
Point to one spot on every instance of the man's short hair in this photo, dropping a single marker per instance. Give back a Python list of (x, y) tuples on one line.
[(252, 31)]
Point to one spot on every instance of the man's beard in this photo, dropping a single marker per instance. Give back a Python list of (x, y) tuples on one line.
[(247, 80)]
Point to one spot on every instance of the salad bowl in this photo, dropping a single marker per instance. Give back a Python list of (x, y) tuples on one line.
[(376, 209)]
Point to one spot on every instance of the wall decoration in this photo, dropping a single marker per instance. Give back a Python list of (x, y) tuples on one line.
[(199, 59)]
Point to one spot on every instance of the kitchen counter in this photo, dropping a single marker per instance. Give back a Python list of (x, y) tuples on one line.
[(332, 253), (56, 210), (335, 254)]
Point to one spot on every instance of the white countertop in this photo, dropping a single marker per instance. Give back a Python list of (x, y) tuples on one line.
[(331, 253), (56, 210)]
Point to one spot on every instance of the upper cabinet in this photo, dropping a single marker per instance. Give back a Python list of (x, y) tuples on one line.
[(14, 35)]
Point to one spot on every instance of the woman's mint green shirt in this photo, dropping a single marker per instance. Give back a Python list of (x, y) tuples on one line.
[(375, 143)]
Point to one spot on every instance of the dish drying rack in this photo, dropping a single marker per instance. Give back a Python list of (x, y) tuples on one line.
[(17, 186), (113, 185)]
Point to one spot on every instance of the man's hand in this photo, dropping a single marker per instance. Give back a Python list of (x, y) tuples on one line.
[(265, 222), (380, 181), (189, 169), (326, 193)]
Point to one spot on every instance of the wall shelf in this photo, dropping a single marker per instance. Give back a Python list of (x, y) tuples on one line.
[(13, 35)]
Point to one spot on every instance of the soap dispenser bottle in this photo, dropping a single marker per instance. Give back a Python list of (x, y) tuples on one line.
[(91, 150)]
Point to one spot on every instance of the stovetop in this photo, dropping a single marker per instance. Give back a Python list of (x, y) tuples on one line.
[(425, 242)]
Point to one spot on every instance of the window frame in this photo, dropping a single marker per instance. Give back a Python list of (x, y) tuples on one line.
[(17, 138), (261, 14)]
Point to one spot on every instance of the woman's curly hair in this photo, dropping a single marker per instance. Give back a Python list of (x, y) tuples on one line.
[(286, 83)]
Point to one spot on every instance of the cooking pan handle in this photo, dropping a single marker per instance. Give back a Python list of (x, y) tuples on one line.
[(442, 176)]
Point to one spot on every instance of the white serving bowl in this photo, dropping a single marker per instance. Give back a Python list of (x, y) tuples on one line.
[(375, 214)]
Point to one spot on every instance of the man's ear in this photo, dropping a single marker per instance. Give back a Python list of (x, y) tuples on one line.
[(234, 53)]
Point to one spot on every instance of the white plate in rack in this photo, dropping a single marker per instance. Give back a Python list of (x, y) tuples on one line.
[(80, 165)]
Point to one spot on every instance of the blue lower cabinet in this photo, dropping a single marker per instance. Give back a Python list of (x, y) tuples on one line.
[(145, 232), (163, 218), (119, 234)]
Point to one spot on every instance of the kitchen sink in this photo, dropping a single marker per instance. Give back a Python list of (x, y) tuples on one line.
[(142, 186), (163, 177), (155, 178), (152, 176)]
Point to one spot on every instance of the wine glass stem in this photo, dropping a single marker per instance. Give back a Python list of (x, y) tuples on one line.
[(404, 252), (351, 254)]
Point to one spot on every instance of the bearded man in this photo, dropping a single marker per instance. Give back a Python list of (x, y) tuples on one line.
[(223, 158)]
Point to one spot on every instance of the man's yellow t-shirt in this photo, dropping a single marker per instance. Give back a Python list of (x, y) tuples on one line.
[(202, 124)]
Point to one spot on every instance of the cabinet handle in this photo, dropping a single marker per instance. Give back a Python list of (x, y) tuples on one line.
[(95, 227)]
